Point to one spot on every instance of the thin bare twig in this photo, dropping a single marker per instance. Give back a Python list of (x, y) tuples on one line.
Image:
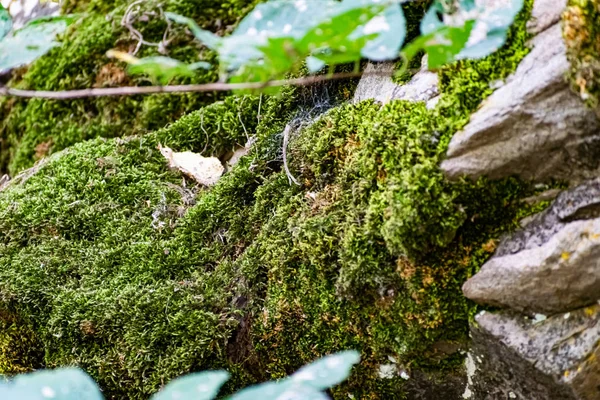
[(286, 139), (127, 22), (240, 118), (206, 87), (205, 132)]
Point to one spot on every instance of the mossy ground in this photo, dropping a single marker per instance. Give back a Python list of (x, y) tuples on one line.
[(110, 261), (581, 30), (33, 129)]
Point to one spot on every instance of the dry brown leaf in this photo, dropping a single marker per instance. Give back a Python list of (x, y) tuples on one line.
[(204, 170)]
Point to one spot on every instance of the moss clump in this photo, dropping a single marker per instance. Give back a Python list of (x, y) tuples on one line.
[(112, 262), (116, 284), (33, 129), (581, 31), (20, 349)]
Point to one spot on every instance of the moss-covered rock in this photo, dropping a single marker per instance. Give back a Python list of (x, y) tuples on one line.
[(33, 129), (110, 261), (581, 30)]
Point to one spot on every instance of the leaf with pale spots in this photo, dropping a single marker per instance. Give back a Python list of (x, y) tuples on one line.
[(199, 386), (59, 384), (482, 31), (327, 371), (32, 41), (278, 36), (494, 24), (279, 390)]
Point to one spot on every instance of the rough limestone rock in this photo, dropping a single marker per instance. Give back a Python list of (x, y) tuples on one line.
[(533, 126), (544, 14), (377, 84), (518, 358), (551, 266)]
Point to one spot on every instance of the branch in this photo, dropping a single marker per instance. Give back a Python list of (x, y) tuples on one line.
[(207, 87)]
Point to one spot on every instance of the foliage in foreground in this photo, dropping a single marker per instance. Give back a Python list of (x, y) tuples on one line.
[(280, 36), (26, 44), (74, 384)]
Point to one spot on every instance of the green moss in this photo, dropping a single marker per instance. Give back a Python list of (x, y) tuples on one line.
[(106, 258), (581, 30), (33, 129), (115, 263), (20, 350)]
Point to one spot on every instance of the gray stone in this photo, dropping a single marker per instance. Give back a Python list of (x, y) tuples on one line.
[(553, 359), (544, 14), (550, 266), (377, 84), (533, 126)]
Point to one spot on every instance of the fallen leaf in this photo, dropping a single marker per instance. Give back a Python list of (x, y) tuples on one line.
[(204, 170)]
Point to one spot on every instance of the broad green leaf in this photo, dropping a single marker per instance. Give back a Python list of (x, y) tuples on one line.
[(314, 64), (335, 31), (277, 36), (5, 22), (495, 24), (284, 389), (59, 384), (32, 41), (431, 21), (200, 386), (278, 18), (442, 46), (391, 27), (327, 371)]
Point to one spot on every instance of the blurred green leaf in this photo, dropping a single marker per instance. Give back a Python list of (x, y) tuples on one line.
[(32, 41), (59, 384), (327, 371), (199, 386), (445, 43), (279, 35), (442, 46), (5, 22), (284, 389), (495, 24), (391, 30), (160, 69), (164, 69)]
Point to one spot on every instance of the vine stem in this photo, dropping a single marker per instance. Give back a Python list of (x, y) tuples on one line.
[(206, 87)]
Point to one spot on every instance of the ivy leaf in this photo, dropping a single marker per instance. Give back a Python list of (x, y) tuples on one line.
[(200, 386), (327, 371), (32, 41), (59, 384), (5, 22)]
